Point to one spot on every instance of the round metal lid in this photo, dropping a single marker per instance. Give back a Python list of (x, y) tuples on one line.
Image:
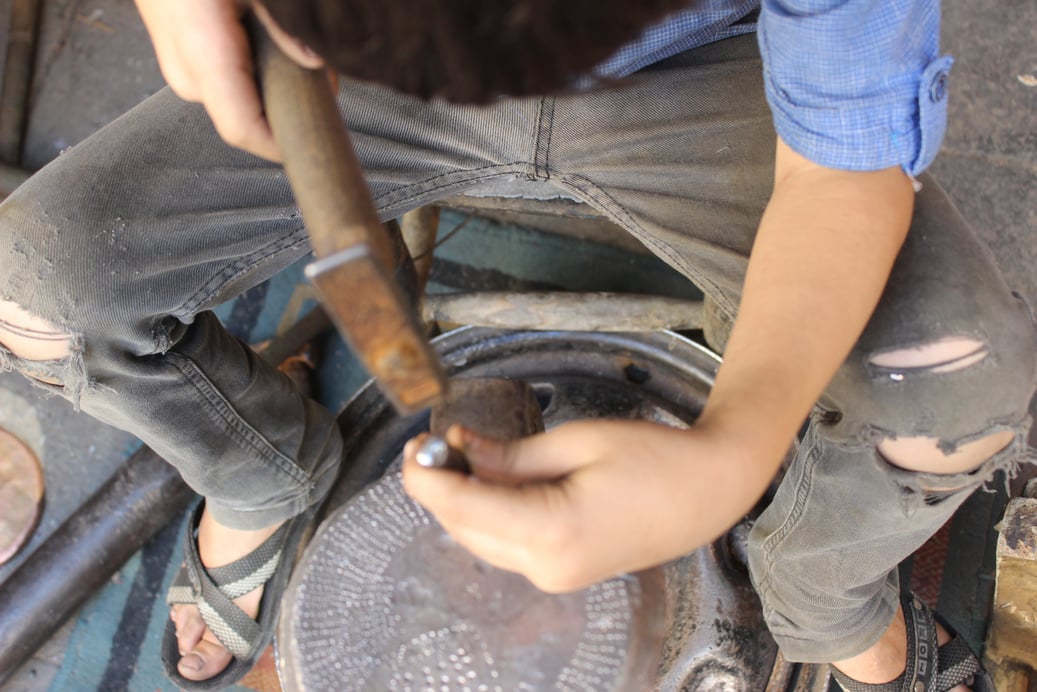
[(388, 601), (383, 599)]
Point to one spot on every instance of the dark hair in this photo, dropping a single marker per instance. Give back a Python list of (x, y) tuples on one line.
[(468, 50)]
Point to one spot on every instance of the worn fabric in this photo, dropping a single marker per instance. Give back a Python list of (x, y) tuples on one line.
[(852, 84), (129, 238)]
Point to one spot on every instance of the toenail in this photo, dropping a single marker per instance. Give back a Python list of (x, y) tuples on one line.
[(191, 662)]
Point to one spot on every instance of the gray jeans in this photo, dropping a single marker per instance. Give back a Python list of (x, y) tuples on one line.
[(128, 239)]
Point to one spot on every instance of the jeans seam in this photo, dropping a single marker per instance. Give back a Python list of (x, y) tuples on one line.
[(803, 488), (612, 206), (233, 423), (545, 121), (423, 188), (241, 267)]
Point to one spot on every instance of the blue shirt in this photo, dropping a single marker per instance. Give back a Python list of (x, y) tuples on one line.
[(852, 84)]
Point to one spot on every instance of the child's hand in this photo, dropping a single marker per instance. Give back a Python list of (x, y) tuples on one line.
[(590, 500), (205, 56)]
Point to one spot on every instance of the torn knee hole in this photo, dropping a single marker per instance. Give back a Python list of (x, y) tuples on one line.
[(944, 355), (30, 337), (923, 454)]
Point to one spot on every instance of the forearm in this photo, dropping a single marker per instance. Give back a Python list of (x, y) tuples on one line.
[(823, 252), (593, 499)]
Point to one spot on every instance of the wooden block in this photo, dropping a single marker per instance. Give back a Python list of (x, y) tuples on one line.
[(1012, 643)]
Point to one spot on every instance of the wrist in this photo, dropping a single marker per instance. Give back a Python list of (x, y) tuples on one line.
[(755, 434)]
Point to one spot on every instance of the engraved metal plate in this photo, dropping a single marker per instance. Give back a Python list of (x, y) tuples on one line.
[(402, 606), (383, 600)]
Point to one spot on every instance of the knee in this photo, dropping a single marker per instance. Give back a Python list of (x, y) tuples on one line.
[(945, 406), (51, 285), (30, 337), (39, 349), (924, 453)]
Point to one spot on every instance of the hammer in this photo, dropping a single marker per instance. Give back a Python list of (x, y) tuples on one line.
[(355, 260), (353, 272)]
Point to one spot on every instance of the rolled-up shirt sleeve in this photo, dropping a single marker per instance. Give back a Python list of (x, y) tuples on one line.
[(856, 84)]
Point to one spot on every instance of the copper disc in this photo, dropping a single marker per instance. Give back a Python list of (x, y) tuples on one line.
[(21, 494)]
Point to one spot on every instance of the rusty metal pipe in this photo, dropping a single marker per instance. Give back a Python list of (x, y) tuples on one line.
[(597, 312), (82, 554)]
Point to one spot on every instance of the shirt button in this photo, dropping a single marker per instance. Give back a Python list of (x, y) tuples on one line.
[(938, 87)]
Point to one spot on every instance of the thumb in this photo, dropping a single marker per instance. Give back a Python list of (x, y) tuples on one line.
[(541, 457)]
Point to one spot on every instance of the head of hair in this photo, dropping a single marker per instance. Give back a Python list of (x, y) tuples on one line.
[(468, 50)]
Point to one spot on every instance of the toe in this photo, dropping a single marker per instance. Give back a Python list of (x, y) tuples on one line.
[(189, 627), (204, 661)]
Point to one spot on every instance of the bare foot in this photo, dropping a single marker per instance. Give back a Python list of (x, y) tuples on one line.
[(887, 659), (202, 655)]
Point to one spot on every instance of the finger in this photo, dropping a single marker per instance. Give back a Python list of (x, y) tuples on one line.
[(545, 456), (551, 571), (299, 52), (333, 79), (232, 100), (515, 514), (231, 96), (490, 549)]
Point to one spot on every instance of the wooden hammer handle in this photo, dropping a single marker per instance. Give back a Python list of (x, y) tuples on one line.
[(322, 169)]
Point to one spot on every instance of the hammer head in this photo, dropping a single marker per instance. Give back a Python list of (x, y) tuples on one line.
[(372, 313)]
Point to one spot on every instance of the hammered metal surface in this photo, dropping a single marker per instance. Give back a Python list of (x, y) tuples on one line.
[(401, 606), (713, 634)]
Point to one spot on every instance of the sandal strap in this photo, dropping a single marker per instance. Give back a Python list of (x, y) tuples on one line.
[(958, 664), (929, 668), (251, 571), (229, 623), (212, 590), (921, 670), (180, 591)]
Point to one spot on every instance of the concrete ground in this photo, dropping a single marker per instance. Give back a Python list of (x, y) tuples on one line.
[(94, 62)]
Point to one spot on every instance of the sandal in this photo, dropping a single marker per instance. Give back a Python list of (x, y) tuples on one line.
[(213, 591), (929, 669)]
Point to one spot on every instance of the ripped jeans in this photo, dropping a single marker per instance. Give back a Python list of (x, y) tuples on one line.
[(111, 257)]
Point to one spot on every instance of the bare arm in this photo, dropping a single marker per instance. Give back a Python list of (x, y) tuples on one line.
[(822, 255), (594, 499)]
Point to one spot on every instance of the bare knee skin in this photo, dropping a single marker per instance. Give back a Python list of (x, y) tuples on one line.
[(921, 453), (31, 337), (945, 355)]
